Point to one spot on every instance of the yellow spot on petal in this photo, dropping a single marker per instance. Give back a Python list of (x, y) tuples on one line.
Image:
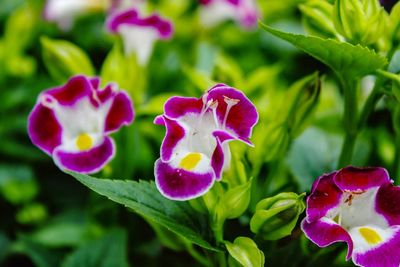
[(370, 235), (84, 141), (190, 161)]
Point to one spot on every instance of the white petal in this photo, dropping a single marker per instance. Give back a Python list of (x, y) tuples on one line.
[(139, 40), (81, 118), (363, 244), (217, 12), (360, 210), (199, 137), (65, 11)]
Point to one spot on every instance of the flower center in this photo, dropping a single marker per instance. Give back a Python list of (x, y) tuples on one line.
[(190, 161), (370, 235), (84, 141)]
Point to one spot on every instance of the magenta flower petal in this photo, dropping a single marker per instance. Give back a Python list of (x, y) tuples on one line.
[(89, 161), (132, 17), (173, 136), (388, 203), (121, 112), (241, 116), (180, 184), (325, 196), (178, 106), (218, 157), (76, 88), (385, 255), (353, 179), (325, 233), (44, 129)]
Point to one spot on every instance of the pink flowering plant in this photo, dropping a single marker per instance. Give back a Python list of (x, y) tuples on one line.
[(195, 150), (188, 133), (72, 123)]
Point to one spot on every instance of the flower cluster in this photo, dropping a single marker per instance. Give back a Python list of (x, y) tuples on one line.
[(195, 149), (361, 207), (216, 11), (72, 123)]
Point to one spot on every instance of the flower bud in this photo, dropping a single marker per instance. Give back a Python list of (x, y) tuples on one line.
[(64, 59), (360, 22), (317, 18), (303, 97), (275, 217), (234, 201), (394, 24), (244, 252)]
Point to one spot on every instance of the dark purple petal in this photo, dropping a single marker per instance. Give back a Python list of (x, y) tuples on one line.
[(324, 234), (354, 179), (205, 2), (178, 106), (388, 203), (325, 195), (44, 129), (218, 157), (121, 112), (159, 120), (75, 89), (106, 93), (174, 134), (131, 17), (385, 255), (242, 116), (179, 184), (388, 4), (89, 161), (95, 82)]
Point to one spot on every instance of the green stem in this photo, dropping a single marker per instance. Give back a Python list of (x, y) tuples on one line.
[(218, 230), (369, 105), (222, 259), (197, 256), (349, 119), (396, 162)]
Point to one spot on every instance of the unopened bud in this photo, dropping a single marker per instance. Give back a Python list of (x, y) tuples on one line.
[(244, 252), (317, 18), (275, 217), (360, 22)]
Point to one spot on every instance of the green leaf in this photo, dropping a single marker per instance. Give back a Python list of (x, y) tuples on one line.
[(108, 251), (64, 59), (344, 58), (143, 198)]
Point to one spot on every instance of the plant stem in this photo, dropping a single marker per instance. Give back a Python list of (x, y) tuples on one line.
[(396, 161), (218, 229), (369, 105), (349, 119), (197, 256)]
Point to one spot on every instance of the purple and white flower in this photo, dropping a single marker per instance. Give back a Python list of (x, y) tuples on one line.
[(64, 12), (72, 122), (195, 149), (139, 33), (359, 206), (215, 11)]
